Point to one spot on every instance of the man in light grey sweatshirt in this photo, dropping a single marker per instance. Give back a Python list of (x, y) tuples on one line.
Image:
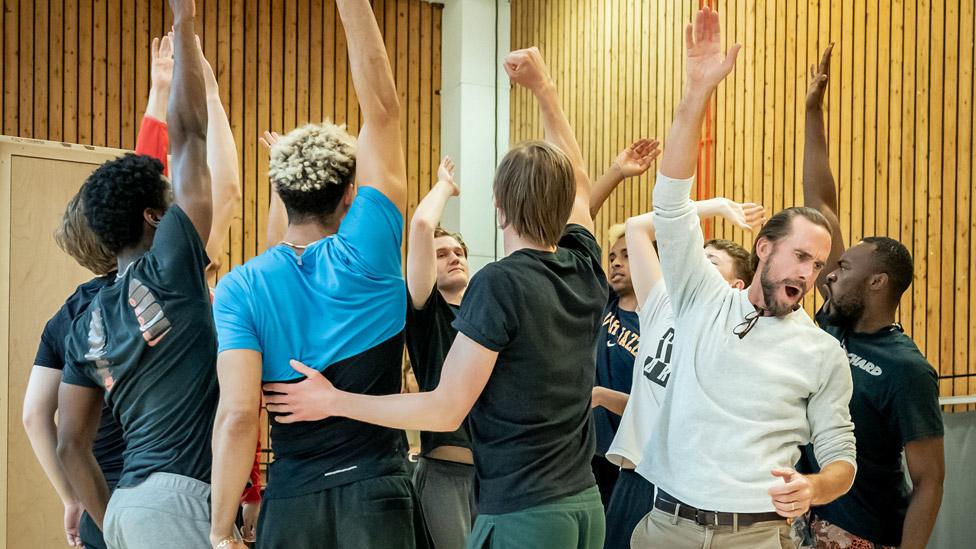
[(753, 377)]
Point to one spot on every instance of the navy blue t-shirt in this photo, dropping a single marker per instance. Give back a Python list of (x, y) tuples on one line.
[(895, 401), (109, 444), (148, 341), (339, 307), (616, 352)]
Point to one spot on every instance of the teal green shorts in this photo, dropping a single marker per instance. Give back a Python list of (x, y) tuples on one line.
[(573, 521)]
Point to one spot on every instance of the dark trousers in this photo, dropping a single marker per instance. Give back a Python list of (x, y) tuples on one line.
[(446, 491), (377, 513), (633, 497), (606, 475), (90, 534)]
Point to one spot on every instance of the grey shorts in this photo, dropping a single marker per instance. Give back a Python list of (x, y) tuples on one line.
[(165, 511)]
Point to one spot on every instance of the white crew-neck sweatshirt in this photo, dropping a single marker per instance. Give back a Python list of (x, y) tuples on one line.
[(735, 408)]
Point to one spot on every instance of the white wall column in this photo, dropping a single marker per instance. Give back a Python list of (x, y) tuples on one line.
[(474, 116)]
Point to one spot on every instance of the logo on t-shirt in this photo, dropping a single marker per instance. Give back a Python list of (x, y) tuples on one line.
[(152, 319), (96, 348), (618, 334), (865, 364), (658, 367)]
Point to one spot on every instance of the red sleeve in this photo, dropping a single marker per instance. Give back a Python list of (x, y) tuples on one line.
[(252, 494), (153, 140)]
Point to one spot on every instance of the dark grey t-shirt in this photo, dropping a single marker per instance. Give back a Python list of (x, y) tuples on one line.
[(531, 427), (148, 339)]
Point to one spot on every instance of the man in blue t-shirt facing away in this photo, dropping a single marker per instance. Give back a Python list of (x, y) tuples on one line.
[(521, 368), (331, 295), (895, 405), (147, 340)]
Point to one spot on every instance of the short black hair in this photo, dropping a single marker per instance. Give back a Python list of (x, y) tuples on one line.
[(313, 205), (894, 259), (116, 194)]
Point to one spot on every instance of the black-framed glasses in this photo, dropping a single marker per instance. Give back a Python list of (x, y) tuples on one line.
[(746, 325)]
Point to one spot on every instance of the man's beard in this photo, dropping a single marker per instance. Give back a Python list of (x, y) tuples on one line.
[(845, 310), (769, 288)]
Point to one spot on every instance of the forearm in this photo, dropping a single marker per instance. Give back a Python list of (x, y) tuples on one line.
[(614, 401), (680, 158), (921, 515), (87, 479), (557, 128), (277, 221), (818, 182), (187, 113), (43, 436), (604, 186), (224, 172), (369, 64), (833, 481), (158, 101), (234, 439), (430, 411), (429, 211)]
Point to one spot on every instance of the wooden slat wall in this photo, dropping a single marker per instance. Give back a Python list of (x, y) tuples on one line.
[(78, 71), (899, 112)]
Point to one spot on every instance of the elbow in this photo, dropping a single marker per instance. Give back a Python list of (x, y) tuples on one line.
[(69, 449), (420, 225), (35, 419), (237, 422)]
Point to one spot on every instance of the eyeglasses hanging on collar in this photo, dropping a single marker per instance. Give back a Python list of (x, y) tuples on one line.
[(746, 325)]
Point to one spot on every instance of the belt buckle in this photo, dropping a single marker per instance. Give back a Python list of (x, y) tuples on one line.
[(702, 519)]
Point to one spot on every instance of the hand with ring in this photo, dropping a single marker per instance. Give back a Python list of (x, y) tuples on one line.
[(792, 497)]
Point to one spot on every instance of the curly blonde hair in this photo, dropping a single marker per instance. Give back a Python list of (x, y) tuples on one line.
[(75, 238), (311, 157)]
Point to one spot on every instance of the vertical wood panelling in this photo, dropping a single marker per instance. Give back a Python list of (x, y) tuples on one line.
[(900, 122), (78, 71)]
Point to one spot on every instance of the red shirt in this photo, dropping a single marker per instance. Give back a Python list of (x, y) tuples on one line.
[(153, 140)]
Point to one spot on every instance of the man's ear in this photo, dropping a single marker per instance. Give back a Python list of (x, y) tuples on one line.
[(152, 216), (878, 281)]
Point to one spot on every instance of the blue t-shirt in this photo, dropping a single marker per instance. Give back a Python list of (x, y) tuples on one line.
[(615, 355), (339, 307)]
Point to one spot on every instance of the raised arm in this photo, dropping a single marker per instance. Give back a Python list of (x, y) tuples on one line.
[(277, 215), (223, 164), (631, 162), (187, 120), (645, 266), (819, 191), (161, 76), (688, 274), (80, 409), (379, 157), (421, 254), (527, 68)]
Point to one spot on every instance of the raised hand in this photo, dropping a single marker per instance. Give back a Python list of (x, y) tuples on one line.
[(161, 66), (706, 66), (746, 216), (818, 80), (208, 73), (445, 173), (268, 140), (527, 68), (638, 157)]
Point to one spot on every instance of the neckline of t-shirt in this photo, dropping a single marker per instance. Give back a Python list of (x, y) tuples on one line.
[(308, 247)]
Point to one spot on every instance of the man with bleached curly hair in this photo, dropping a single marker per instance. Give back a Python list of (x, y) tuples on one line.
[(331, 295)]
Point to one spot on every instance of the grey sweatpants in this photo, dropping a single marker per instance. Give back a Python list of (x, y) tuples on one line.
[(166, 511), (446, 491)]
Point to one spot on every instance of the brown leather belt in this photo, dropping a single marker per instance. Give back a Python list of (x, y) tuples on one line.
[(670, 504)]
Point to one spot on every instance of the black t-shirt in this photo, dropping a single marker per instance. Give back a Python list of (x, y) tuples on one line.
[(616, 352), (429, 338), (311, 456), (148, 339), (109, 444), (895, 401), (531, 427)]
